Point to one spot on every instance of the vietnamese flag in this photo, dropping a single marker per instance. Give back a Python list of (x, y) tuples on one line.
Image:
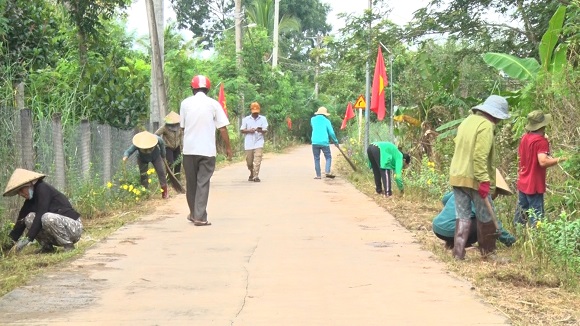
[(349, 114), (289, 123), (222, 99), (378, 90)]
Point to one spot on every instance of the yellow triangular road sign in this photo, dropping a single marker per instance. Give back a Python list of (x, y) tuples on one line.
[(360, 103)]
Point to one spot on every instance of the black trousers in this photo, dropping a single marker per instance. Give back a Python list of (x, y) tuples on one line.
[(173, 155), (381, 175)]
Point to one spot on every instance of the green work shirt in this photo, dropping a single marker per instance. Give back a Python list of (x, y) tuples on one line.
[(391, 159)]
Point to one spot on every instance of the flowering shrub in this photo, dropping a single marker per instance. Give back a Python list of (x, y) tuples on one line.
[(555, 243), (426, 178)]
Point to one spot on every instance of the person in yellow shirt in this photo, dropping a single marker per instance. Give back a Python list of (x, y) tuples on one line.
[(472, 174)]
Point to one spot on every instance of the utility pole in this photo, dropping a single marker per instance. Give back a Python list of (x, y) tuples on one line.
[(275, 38), (368, 86), (238, 15), (238, 32), (318, 40), (158, 91)]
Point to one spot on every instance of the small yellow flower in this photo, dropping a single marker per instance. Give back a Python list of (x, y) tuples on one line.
[(136, 191), (130, 188), (429, 182), (431, 164), (150, 171), (125, 187), (109, 184), (136, 198), (539, 224)]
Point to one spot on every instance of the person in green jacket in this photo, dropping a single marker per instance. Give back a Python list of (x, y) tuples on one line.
[(472, 174), (384, 157), (444, 222), (321, 132)]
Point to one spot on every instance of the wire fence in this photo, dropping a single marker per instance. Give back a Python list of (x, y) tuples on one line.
[(107, 145)]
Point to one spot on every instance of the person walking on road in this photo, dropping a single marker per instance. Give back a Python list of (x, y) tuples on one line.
[(151, 149), (472, 174), (172, 135), (321, 132), (444, 223), (46, 213), (384, 158), (254, 127), (535, 159), (200, 117)]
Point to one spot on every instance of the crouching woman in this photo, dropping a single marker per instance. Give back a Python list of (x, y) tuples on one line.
[(46, 213)]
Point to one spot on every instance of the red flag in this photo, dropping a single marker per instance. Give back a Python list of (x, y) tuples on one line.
[(222, 99), (289, 123), (349, 114), (379, 83)]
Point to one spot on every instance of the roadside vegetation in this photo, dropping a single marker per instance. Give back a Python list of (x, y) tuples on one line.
[(71, 66)]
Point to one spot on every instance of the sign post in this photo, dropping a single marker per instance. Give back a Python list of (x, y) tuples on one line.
[(360, 105)]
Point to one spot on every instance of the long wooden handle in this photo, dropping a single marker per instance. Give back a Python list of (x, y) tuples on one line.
[(491, 213), (346, 158)]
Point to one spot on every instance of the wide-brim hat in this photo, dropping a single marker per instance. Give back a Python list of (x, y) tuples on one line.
[(145, 140), (537, 119), (502, 187), (496, 106), (20, 178), (322, 110), (172, 118)]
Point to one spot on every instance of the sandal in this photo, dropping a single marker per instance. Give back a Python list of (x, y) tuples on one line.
[(316, 177), (330, 175), (201, 223)]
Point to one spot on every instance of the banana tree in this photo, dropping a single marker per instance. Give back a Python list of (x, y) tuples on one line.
[(552, 54), (527, 70)]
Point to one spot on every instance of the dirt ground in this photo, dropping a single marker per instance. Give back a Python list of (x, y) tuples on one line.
[(290, 250)]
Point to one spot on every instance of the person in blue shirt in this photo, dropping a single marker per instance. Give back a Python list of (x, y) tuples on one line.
[(321, 132), (444, 223)]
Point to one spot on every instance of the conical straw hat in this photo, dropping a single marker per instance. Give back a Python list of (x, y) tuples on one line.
[(501, 185), (172, 118), (19, 178), (145, 140)]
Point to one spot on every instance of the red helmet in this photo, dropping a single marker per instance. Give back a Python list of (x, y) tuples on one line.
[(200, 81)]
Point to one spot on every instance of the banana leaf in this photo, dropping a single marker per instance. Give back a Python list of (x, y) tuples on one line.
[(551, 37), (522, 69)]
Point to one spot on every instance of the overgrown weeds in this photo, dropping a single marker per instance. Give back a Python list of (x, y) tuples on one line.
[(540, 284)]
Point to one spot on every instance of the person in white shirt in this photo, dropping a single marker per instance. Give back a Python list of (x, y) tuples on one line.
[(254, 127), (200, 116)]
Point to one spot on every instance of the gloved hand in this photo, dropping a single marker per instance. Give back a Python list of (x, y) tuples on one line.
[(484, 189), (21, 244)]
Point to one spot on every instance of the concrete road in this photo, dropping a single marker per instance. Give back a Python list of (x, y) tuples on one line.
[(290, 250)]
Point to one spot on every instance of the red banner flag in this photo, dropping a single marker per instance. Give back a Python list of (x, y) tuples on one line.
[(349, 114), (289, 123), (378, 90), (222, 99)]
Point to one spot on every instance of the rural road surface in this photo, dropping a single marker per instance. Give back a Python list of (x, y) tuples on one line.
[(290, 250)]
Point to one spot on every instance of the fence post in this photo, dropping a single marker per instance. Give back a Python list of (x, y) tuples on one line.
[(85, 148), (58, 143)]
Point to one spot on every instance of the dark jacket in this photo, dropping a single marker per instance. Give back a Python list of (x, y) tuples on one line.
[(45, 199), (159, 150)]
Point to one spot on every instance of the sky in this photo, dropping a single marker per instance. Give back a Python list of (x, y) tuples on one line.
[(402, 12)]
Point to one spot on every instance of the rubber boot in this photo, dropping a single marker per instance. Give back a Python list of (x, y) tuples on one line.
[(462, 227), (164, 193)]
